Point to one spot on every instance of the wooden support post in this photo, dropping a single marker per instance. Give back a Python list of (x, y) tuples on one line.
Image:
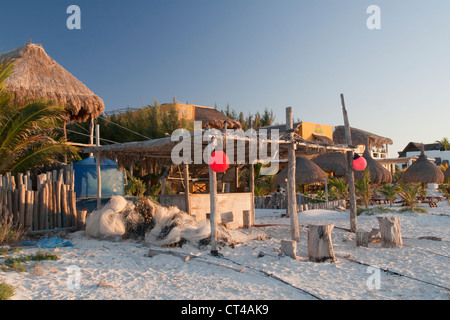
[(91, 133), (362, 239), (252, 191), (36, 207), (351, 178), (213, 206), (320, 247), (22, 204), (97, 162), (291, 186), (391, 235), (64, 213), (236, 178), (186, 189)]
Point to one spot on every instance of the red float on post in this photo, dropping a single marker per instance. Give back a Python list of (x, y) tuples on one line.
[(359, 163), (219, 162)]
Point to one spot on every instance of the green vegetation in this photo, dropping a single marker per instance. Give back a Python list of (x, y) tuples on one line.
[(17, 263), (135, 187), (29, 135), (8, 232), (409, 193), (390, 192), (6, 291), (374, 210), (364, 189)]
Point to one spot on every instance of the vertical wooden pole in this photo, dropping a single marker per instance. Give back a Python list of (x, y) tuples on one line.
[(252, 179), (213, 206), (29, 210), (351, 177), (91, 133), (291, 187), (186, 189), (97, 162)]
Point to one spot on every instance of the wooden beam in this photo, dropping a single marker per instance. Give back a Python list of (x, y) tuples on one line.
[(213, 210), (351, 177), (291, 187)]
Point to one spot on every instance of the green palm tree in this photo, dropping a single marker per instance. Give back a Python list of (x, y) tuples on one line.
[(364, 189), (445, 143), (341, 187), (28, 133), (390, 192), (409, 192)]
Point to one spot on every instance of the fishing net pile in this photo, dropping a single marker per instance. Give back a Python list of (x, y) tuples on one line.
[(156, 224)]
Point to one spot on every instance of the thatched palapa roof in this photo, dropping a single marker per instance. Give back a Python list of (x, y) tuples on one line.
[(306, 172), (213, 118), (378, 174), (422, 171), (335, 162), (37, 76), (359, 137)]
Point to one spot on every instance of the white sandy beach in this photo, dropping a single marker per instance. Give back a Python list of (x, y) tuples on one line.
[(121, 270)]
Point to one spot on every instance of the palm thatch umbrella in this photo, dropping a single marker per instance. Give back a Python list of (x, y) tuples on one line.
[(422, 171), (37, 76), (359, 137), (306, 172), (378, 174), (334, 162)]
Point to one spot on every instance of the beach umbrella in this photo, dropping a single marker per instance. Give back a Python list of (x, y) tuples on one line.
[(213, 118), (306, 172), (360, 137), (378, 174), (334, 162), (422, 171), (37, 76)]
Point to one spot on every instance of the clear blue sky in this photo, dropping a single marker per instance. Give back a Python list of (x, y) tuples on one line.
[(255, 54)]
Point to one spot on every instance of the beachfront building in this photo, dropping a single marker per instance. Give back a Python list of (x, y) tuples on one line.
[(432, 150)]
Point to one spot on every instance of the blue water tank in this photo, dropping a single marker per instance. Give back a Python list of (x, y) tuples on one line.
[(86, 178)]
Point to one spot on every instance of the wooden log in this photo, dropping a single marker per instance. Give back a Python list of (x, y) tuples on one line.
[(98, 168), (73, 207), (186, 189), (15, 206), (49, 186), (391, 235), (362, 239), (36, 207), (246, 218), (42, 204), (57, 197), (21, 203), (64, 213), (320, 247), (289, 248), (29, 202), (82, 219)]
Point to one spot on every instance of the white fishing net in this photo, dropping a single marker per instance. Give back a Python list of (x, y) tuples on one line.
[(107, 221)]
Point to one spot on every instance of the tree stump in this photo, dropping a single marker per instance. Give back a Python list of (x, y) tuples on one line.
[(391, 235), (320, 247), (289, 248), (362, 239)]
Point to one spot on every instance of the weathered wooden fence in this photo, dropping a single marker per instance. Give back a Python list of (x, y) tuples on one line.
[(49, 204), (279, 201)]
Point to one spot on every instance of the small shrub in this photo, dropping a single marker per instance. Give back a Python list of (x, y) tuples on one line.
[(374, 210), (17, 263), (6, 291), (135, 187), (416, 210), (9, 233)]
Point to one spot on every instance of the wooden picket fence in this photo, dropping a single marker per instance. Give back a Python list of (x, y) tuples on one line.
[(49, 204)]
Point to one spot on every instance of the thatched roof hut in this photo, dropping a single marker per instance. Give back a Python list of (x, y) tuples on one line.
[(306, 172), (378, 174), (213, 118), (36, 76), (360, 137), (334, 162), (422, 171)]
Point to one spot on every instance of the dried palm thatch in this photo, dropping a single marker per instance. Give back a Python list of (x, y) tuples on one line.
[(37, 76), (379, 175), (360, 137), (214, 119), (306, 172), (422, 171), (334, 162)]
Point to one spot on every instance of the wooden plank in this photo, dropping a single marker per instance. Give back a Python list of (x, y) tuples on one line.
[(57, 194), (98, 168), (36, 207), (22, 202), (64, 213)]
